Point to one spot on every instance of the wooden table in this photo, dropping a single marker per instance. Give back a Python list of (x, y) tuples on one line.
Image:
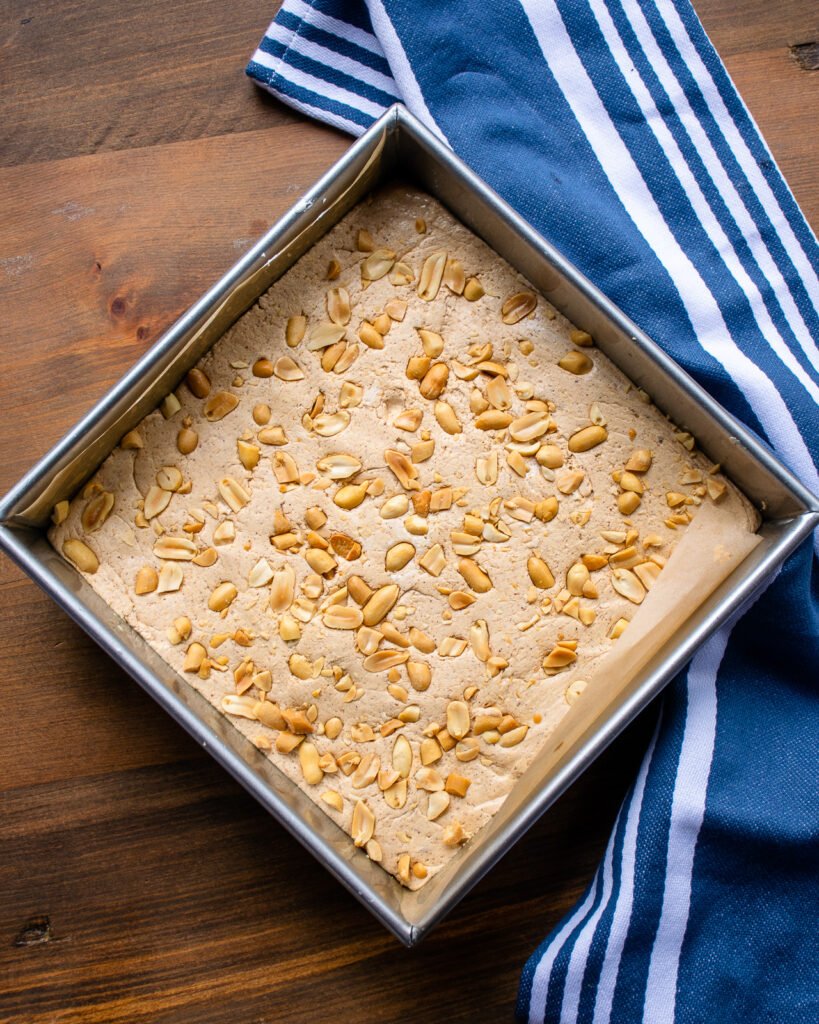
[(138, 883)]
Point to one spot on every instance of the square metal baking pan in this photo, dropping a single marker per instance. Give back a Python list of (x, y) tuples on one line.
[(398, 147)]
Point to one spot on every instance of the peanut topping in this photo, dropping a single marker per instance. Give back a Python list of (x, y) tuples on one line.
[(309, 761), (628, 502), (338, 466), (398, 556), (433, 560), (287, 369), (295, 330), (97, 511), (409, 523), (432, 274), (437, 804), (328, 424), (350, 496), (517, 306), (234, 493), (218, 405), (493, 419), (403, 468), (380, 604), (262, 368), (559, 658), (338, 306), (222, 597), (60, 513), (364, 241), (178, 549), (628, 585), (249, 454), (530, 426), (377, 265), (370, 336), (147, 580), (457, 719), (576, 362), (432, 343), (132, 441), (639, 461), (475, 577), (445, 415), (434, 381), (394, 507), (156, 501), (498, 394), (273, 435), (171, 578), (587, 438), (81, 555), (187, 441), (343, 617), (420, 675), (363, 824), (401, 273)]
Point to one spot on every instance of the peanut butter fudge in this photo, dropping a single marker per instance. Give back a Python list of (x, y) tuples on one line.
[(391, 522)]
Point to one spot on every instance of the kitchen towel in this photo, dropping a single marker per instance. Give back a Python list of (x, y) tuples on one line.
[(613, 127)]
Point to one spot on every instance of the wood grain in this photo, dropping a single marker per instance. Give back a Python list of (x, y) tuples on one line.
[(754, 39), (90, 78), (173, 898), (137, 882)]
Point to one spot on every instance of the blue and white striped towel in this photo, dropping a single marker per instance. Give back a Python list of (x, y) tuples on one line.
[(613, 127)]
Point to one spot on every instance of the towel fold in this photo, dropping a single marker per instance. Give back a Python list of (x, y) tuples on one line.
[(612, 126)]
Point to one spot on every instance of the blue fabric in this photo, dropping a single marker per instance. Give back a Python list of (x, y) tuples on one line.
[(612, 126)]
